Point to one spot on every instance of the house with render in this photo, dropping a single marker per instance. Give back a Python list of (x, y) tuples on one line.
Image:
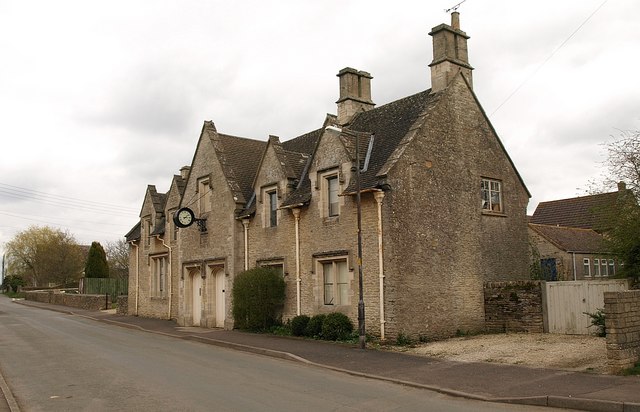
[(443, 211), (567, 235)]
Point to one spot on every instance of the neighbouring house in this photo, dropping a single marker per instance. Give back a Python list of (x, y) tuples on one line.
[(568, 236), (569, 253), (442, 211)]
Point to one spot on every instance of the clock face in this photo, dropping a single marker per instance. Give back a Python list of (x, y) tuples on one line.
[(183, 217)]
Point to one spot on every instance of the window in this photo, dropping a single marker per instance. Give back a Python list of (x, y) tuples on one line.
[(596, 267), (587, 266), (491, 191), (273, 208), (604, 269), (159, 276), (332, 196), (278, 267), (204, 195), (612, 267), (335, 275)]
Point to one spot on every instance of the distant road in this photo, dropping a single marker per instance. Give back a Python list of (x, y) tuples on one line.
[(57, 362)]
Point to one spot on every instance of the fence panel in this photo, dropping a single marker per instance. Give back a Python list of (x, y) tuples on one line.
[(102, 286), (566, 303)]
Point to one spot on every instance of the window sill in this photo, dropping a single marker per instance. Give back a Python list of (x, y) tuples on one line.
[(492, 213)]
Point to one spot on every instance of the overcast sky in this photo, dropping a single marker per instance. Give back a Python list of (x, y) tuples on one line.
[(99, 99)]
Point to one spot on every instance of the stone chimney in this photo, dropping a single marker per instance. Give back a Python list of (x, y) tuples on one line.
[(450, 54), (622, 187), (184, 171), (355, 94)]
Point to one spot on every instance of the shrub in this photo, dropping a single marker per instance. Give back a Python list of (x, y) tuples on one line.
[(258, 298), (299, 325), (597, 320), (336, 326), (314, 327), (403, 340)]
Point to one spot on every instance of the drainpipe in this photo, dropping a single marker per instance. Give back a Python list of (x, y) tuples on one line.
[(296, 215), (245, 223), (137, 274), (379, 196), (170, 277), (574, 265)]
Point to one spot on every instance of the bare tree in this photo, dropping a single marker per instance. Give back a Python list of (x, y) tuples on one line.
[(623, 161), (118, 258)]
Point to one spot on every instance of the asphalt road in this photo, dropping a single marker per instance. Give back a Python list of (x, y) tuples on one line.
[(58, 362)]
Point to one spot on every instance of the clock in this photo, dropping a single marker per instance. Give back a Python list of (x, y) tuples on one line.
[(184, 217)]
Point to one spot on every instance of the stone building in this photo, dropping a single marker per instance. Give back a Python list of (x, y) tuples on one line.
[(567, 236), (442, 211)]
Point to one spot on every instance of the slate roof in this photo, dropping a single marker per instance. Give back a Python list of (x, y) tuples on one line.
[(586, 212), (571, 239), (134, 233), (180, 183), (240, 158), (158, 199)]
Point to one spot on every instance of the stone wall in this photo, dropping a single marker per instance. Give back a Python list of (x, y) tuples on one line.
[(622, 319), (123, 305), (87, 302), (513, 306)]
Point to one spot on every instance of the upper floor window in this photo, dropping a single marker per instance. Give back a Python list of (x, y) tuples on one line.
[(147, 224), (332, 196), (204, 195), (586, 263), (596, 267), (273, 208), (491, 191), (612, 267), (604, 269)]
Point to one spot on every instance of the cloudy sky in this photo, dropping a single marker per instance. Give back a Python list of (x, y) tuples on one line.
[(99, 99)]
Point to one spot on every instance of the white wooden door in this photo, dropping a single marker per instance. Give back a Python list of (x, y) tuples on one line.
[(196, 293), (220, 301)]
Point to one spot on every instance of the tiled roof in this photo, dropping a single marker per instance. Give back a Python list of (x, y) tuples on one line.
[(134, 233), (587, 212), (240, 158), (180, 183), (305, 143), (571, 239), (159, 227), (389, 123), (158, 199)]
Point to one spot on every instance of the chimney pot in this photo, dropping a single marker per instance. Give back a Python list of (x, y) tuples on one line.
[(455, 20)]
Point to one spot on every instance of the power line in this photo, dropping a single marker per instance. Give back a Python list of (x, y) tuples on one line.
[(67, 202), (548, 58)]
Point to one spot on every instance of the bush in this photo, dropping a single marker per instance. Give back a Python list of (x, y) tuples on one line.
[(314, 327), (258, 298), (336, 326), (597, 320), (299, 325)]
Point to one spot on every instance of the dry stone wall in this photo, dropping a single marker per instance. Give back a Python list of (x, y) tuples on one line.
[(87, 302), (622, 320), (513, 306)]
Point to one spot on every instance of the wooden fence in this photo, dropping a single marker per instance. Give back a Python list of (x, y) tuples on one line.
[(104, 286)]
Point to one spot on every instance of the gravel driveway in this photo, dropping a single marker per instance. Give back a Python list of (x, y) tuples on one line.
[(582, 353)]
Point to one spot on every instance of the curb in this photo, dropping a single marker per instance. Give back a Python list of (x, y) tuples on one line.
[(8, 395), (585, 404)]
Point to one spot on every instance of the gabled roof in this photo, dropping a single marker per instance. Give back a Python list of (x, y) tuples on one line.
[(134, 233), (181, 184), (586, 212), (239, 158), (571, 239), (158, 200)]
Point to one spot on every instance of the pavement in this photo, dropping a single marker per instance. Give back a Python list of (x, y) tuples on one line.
[(479, 381)]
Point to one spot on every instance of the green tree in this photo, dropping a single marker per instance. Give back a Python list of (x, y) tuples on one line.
[(43, 255), (96, 266), (258, 298), (12, 282)]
